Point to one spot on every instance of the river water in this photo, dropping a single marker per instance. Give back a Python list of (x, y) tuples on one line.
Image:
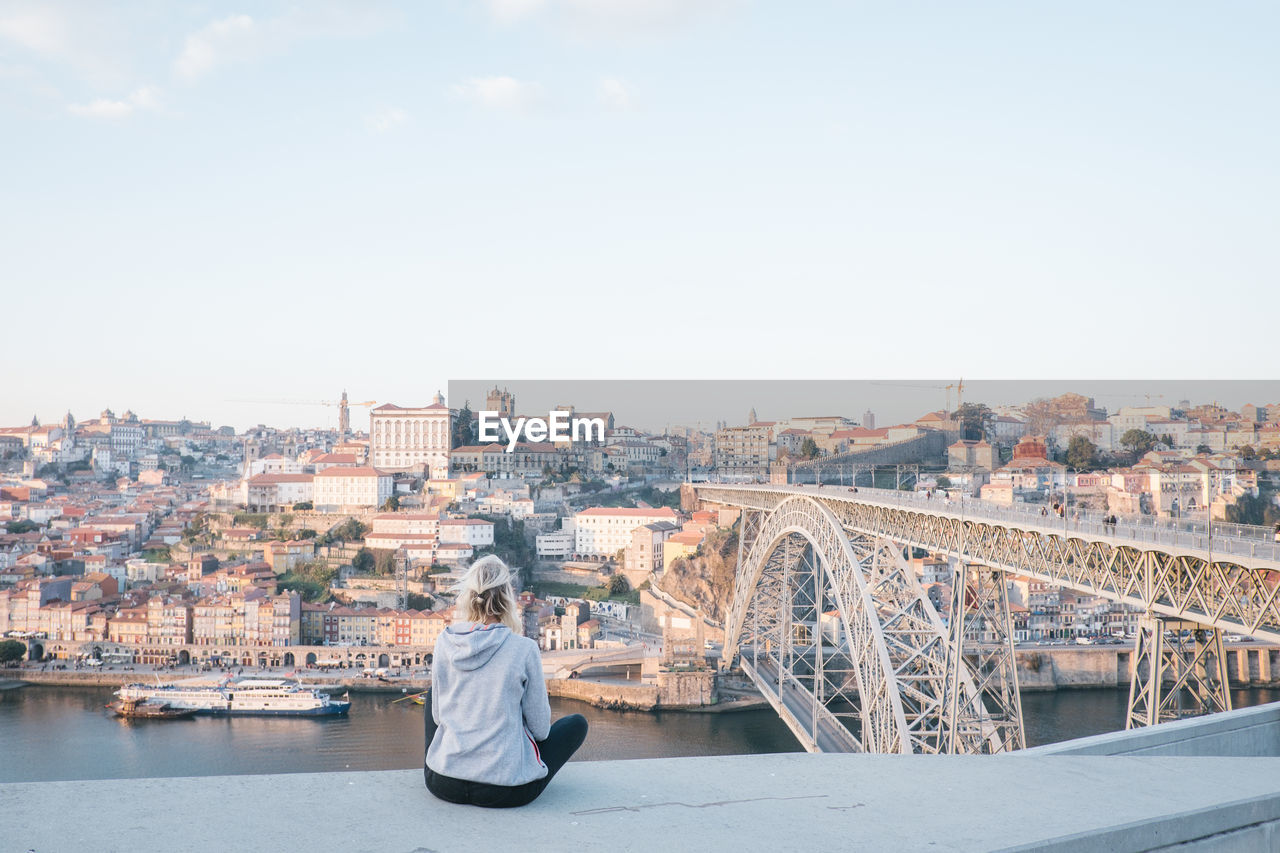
[(57, 733)]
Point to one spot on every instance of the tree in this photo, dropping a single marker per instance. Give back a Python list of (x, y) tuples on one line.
[(1166, 440), (1247, 452), (1248, 509), (384, 561), (809, 449), (12, 651), (418, 601), (391, 504), (618, 585), (974, 419), (23, 526), (306, 533), (364, 561), (1138, 441), (1081, 453), (301, 505), (1203, 448), (944, 482), (463, 427)]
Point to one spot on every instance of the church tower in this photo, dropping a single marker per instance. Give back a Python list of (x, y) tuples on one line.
[(344, 418)]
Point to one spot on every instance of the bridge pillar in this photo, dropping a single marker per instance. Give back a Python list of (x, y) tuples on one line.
[(981, 635), (1174, 675)]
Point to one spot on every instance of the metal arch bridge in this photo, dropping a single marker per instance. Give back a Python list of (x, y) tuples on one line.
[(830, 621)]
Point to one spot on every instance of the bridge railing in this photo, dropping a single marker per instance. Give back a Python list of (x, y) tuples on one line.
[(1221, 538)]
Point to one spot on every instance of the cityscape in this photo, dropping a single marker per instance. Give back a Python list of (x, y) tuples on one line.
[(639, 425), (137, 541)]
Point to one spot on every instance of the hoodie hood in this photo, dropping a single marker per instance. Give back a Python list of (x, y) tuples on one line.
[(472, 646)]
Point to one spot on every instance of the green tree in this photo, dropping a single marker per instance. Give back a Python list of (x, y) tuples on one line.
[(349, 530), (1203, 448), (301, 505), (1137, 441), (1166, 440), (944, 482), (809, 449), (418, 601), (1248, 509), (306, 533), (364, 560), (391, 504), (974, 419), (23, 526), (1081, 453), (464, 427), (618, 585), (12, 651), (1247, 452), (384, 561)]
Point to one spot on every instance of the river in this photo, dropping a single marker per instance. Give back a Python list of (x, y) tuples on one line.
[(58, 733)]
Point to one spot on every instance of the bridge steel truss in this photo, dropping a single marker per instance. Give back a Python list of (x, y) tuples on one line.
[(1212, 595), (839, 635)]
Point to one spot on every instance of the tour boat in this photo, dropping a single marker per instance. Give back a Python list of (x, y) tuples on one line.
[(236, 697)]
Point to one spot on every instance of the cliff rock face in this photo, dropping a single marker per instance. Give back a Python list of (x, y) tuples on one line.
[(705, 580)]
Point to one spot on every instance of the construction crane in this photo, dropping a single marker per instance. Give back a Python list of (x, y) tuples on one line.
[(958, 386)]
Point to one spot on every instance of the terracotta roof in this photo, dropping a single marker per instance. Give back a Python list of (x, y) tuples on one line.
[(353, 471), (664, 512)]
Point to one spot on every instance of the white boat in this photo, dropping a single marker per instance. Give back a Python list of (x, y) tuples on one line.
[(243, 696)]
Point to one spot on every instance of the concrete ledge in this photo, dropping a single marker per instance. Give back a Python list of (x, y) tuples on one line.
[(766, 802), (1244, 733)]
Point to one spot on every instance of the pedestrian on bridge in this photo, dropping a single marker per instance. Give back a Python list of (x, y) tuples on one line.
[(490, 740)]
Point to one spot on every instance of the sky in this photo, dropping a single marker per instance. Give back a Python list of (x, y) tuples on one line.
[(233, 211)]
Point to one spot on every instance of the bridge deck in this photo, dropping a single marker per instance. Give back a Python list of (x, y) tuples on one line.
[(1255, 546)]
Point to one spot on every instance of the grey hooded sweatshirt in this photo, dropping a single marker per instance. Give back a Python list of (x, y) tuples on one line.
[(490, 702)]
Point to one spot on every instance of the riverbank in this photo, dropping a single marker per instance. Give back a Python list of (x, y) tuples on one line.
[(1040, 669), (82, 678)]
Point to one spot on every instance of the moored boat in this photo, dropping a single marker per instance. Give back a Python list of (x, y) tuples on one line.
[(245, 696)]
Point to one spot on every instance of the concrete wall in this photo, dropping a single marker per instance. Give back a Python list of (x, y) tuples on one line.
[(1248, 732), (685, 689), (1054, 667), (713, 803), (639, 697)]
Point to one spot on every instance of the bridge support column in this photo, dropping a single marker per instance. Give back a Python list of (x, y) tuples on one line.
[(981, 635), (1176, 676)]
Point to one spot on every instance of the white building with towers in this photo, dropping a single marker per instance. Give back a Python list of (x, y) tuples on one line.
[(411, 439)]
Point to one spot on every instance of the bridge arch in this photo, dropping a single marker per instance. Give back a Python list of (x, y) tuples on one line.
[(842, 638), (801, 553)]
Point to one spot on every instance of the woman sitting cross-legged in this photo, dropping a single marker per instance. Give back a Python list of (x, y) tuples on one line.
[(490, 741)]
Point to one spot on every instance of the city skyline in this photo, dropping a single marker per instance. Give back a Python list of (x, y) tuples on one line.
[(213, 195), (656, 405)]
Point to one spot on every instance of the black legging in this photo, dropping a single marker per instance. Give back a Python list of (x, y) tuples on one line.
[(566, 735)]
